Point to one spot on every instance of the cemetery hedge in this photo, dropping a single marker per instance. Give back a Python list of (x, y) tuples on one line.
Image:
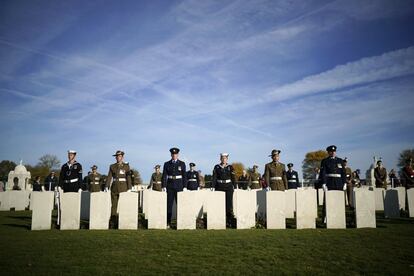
[(388, 249)]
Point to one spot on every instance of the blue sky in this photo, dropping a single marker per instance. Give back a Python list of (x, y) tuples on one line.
[(242, 77)]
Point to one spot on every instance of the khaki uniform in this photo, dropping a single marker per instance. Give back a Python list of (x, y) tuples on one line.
[(275, 176), (94, 182), (120, 173), (155, 182), (255, 181), (380, 175), (349, 185)]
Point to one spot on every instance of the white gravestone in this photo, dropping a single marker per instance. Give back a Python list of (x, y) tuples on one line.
[(290, 203), (365, 208), (100, 211), (261, 203), (201, 202), (70, 211), (401, 197), (321, 194), (410, 198), (19, 200), (156, 209), (188, 208), (42, 205), (244, 207), (216, 211), (391, 204), (335, 210), (128, 211), (4, 201), (379, 199), (275, 213), (306, 209), (85, 205)]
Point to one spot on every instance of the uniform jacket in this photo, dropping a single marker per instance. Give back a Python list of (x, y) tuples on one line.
[(293, 179), (70, 178), (120, 175), (174, 175), (332, 173), (223, 177)]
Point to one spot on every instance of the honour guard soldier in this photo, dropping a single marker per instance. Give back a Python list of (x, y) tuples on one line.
[(51, 182), (275, 173), (349, 183), (292, 177), (255, 178), (407, 174), (118, 181), (156, 179), (70, 179), (173, 180), (224, 180), (332, 171), (94, 180), (380, 174), (193, 179), (243, 181)]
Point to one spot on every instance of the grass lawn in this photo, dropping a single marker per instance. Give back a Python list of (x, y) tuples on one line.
[(388, 249)]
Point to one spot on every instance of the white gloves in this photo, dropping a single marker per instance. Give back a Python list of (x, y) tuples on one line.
[(80, 190), (248, 188), (106, 189), (324, 187), (164, 189), (344, 188), (198, 189), (129, 191), (185, 189), (56, 189), (268, 188), (212, 189)]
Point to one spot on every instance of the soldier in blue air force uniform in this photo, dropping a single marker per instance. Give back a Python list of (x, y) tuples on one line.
[(193, 181), (332, 174), (174, 180), (292, 177)]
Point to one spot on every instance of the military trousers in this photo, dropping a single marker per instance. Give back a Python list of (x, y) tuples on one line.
[(171, 197), (229, 198)]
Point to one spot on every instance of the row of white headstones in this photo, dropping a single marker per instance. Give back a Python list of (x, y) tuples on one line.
[(274, 206)]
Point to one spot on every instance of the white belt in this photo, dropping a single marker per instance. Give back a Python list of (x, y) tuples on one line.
[(291, 180), (256, 182), (192, 179), (224, 181), (95, 183), (157, 182), (121, 179), (333, 175), (276, 178), (72, 180), (175, 176)]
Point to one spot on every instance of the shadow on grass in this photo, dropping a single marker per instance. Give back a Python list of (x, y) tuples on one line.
[(27, 227)]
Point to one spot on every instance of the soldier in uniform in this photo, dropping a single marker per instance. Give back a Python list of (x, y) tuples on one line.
[(193, 180), (243, 181), (349, 183), (51, 182), (156, 179), (94, 180), (119, 181), (37, 187), (292, 177), (332, 172), (173, 180), (275, 173), (407, 174), (224, 180), (70, 179), (255, 178), (380, 174)]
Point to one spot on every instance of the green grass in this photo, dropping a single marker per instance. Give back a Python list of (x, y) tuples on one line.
[(388, 249)]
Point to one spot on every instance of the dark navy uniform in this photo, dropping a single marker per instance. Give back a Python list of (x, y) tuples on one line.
[(37, 187), (224, 180), (174, 179), (51, 182), (333, 173), (193, 181), (70, 178), (292, 178)]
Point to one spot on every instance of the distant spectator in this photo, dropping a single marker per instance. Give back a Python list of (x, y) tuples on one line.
[(37, 187), (394, 179), (51, 182)]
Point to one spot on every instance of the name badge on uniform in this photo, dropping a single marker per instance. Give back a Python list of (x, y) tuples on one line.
[(75, 167), (294, 176), (121, 171), (347, 175), (340, 166), (179, 168)]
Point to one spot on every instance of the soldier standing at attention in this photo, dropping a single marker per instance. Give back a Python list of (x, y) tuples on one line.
[(156, 179), (94, 180), (255, 178), (119, 181), (51, 182), (173, 180), (70, 179), (332, 171), (380, 174), (349, 183), (292, 177), (193, 180), (224, 180), (243, 181), (407, 174), (275, 173)]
